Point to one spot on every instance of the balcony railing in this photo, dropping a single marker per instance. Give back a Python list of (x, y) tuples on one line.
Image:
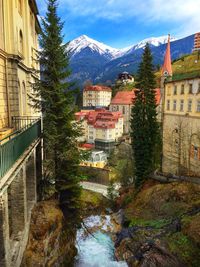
[(13, 146)]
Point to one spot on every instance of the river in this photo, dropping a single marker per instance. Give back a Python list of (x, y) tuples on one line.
[(95, 246)]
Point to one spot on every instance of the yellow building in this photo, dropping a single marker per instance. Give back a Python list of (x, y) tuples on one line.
[(181, 121), (20, 147), (19, 30), (98, 159), (96, 96)]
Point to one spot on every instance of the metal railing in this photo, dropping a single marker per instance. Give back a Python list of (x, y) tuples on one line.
[(13, 146), (20, 122)]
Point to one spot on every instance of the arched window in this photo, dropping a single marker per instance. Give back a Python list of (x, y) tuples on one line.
[(23, 98), (20, 6), (20, 42)]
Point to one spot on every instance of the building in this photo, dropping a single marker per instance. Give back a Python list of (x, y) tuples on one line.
[(123, 102), (197, 42), (125, 78), (96, 96), (97, 159), (181, 121), (20, 127), (101, 127)]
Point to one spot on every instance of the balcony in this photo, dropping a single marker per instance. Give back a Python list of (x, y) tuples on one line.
[(12, 147)]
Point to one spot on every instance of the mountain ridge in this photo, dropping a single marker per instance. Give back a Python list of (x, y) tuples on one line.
[(97, 62)]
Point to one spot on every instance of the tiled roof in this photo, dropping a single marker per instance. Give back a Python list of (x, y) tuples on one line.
[(97, 88), (100, 118), (123, 98), (127, 97)]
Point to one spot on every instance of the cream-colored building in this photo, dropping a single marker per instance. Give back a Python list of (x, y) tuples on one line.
[(181, 120), (181, 126), (21, 151), (19, 30), (96, 96), (101, 125)]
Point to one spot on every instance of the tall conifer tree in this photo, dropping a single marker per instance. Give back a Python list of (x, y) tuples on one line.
[(144, 126), (56, 99)]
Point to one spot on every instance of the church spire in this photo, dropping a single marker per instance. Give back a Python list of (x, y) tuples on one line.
[(167, 66)]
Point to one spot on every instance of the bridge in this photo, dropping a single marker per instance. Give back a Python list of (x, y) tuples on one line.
[(98, 188)]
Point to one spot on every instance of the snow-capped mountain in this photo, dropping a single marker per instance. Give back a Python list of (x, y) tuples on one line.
[(82, 42), (153, 41), (95, 61)]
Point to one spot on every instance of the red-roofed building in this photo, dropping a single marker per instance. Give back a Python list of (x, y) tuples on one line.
[(101, 125), (96, 96), (123, 102)]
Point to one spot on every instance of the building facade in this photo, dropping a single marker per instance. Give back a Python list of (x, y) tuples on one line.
[(98, 159), (181, 126), (19, 30), (101, 126), (96, 96), (123, 102), (181, 120), (20, 127), (197, 42)]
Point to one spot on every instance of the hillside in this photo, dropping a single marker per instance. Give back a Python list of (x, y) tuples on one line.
[(188, 65)]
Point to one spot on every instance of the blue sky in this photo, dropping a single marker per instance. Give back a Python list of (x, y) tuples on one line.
[(120, 23)]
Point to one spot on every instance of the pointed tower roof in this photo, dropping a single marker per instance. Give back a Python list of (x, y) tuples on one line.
[(167, 66)]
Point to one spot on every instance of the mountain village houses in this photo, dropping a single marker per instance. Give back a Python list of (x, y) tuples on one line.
[(178, 109)]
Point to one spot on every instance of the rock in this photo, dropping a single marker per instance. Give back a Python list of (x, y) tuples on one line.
[(50, 243)]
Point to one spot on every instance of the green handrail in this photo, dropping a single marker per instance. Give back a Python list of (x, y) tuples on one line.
[(12, 150)]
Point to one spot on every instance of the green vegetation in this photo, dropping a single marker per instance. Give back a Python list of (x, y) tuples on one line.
[(184, 248), (56, 100), (145, 129), (153, 223)]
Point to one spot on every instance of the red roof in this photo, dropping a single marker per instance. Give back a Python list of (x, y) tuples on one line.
[(87, 146), (100, 118), (167, 66), (127, 97), (123, 98), (97, 88)]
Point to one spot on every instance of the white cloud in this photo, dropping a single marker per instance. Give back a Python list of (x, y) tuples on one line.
[(186, 13)]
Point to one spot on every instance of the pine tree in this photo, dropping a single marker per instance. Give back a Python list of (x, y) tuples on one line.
[(56, 99), (145, 128)]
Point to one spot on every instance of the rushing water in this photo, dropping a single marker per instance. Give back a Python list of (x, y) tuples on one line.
[(96, 249)]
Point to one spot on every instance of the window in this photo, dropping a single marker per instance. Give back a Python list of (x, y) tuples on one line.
[(124, 110), (198, 106), (182, 89), (181, 105), (23, 98), (174, 105), (189, 105), (20, 42), (198, 91), (20, 6), (195, 152), (190, 88), (175, 90), (168, 90), (168, 104)]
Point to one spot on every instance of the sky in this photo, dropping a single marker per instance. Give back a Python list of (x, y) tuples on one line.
[(121, 23)]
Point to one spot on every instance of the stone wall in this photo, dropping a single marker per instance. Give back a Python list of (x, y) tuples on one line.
[(17, 197)]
